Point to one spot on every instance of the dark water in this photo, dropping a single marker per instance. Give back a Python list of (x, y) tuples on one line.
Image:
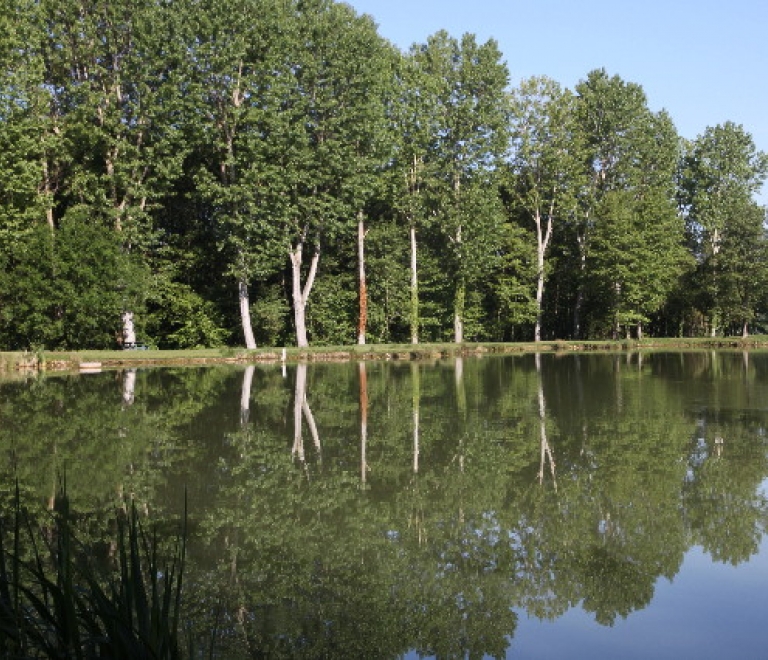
[(577, 506)]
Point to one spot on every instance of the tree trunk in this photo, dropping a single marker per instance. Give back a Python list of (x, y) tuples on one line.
[(363, 318), (460, 297), (414, 290), (542, 242), (458, 312), (579, 304), (745, 329), (245, 314), (48, 195), (301, 295)]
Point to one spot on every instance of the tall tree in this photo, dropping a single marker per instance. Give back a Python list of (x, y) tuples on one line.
[(116, 71), (742, 268), (722, 170), (546, 171), (467, 146), (636, 259), (32, 151), (241, 78), (630, 159), (335, 106), (414, 116)]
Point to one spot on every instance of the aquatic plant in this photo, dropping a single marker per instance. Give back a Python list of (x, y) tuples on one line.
[(58, 604)]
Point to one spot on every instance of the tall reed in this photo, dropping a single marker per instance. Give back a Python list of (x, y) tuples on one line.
[(55, 606)]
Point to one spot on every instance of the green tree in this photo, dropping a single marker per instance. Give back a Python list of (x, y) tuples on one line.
[(741, 268), (722, 170), (545, 168), (65, 289), (631, 159), (240, 81), (111, 145), (414, 116), (468, 141), (636, 259), (31, 148)]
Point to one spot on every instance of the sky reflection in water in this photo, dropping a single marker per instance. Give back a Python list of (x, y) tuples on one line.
[(709, 611)]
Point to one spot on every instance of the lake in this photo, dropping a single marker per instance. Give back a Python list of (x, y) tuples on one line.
[(530, 506)]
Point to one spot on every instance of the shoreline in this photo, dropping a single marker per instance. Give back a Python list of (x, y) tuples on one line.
[(89, 361)]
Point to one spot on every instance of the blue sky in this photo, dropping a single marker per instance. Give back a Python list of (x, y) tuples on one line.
[(704, 61)]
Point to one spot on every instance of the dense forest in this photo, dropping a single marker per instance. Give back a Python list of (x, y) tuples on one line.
[(272, 172)]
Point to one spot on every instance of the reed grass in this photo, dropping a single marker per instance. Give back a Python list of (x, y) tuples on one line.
[(58, 605)]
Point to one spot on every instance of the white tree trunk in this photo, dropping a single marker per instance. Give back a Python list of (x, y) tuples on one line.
[(459, 299), (245, 315), (414, 290), (458, 329), (543, 238), (301, 295)]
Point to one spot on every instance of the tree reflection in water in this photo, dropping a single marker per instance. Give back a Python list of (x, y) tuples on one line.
[(436, 508)]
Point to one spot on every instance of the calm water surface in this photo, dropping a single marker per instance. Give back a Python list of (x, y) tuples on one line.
[(579, 506)]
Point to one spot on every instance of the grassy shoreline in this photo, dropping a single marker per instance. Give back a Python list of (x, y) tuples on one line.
[(11, 362)]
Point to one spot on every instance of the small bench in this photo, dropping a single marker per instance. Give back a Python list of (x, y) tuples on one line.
[(133, 346)]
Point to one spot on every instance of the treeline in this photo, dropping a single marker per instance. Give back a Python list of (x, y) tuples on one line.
[(275, 172)]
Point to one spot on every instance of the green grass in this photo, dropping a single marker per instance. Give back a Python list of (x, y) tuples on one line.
[(62, 360)]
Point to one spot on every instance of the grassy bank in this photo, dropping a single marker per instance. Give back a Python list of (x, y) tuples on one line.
[(21, 362)]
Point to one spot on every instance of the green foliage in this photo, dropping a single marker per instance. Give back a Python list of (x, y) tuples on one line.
[(331, 315), (271, 314), (181, 318), (66, 288), (222, 143), (720, 172)]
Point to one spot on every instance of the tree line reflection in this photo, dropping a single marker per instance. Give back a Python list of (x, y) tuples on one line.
[(383, 507)]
